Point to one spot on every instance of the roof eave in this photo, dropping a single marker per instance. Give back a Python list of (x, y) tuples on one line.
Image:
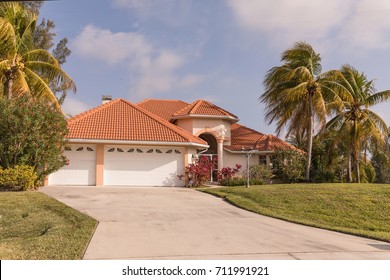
[(132, 142), (252, 151)]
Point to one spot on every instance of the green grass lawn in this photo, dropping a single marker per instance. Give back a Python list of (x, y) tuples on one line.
[(35, 226), (360, 209)]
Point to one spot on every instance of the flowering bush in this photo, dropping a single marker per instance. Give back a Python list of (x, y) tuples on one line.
[(227, 173), (198, 173), (32, 133)]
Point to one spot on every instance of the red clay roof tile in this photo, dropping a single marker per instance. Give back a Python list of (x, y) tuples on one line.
[(203, 108), (162, 108), (122, 120), (247, 138)]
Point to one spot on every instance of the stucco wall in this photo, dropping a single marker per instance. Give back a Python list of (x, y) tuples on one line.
[(230, 160)]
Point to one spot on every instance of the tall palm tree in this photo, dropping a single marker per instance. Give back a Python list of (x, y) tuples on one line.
[(25, 70), (296, 94), (357, 124)]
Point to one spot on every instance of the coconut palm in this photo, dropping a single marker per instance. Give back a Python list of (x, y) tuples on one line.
[(357, 124), (25, 70), (297, 95)]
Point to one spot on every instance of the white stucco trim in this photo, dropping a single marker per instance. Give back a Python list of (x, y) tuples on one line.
[(126, 142), (252, 151)]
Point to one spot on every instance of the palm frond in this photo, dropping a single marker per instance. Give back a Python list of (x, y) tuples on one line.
[(40, 88), (378, 97)]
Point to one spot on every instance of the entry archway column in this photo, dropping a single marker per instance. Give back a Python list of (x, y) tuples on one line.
[(220, 153)]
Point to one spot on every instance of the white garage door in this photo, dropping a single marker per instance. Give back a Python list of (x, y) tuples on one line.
[(81, 169), (143, 166)]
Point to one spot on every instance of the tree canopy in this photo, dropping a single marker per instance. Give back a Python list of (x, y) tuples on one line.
[(25, 69)]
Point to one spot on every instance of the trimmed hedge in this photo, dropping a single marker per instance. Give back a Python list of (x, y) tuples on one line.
[(232, 182), (18, 178)]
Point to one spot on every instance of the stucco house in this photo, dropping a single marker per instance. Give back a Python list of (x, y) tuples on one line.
[(150, 143)]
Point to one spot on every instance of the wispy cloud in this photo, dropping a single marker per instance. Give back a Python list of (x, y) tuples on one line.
[(73, 107), (350, 23), (152, 69), (172, 12), (368, 25)]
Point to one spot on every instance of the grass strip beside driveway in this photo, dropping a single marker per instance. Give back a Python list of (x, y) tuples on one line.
[(35, 226), (359, 209)]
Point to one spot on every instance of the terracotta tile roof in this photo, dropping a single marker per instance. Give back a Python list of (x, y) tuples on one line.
[(122, 120), (162, 108), (202, 107), (247, 138)]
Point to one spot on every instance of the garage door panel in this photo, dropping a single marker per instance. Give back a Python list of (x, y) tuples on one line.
[(81, 169), (143, 166)]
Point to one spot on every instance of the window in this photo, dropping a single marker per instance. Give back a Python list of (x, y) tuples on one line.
[(80, 149), (68, 148), (177, 152), (149, 151), (89, 149), (158, 151), (131, 150), (139, 151), (262, 159), (111, 150), (119, 150), (169, 152)]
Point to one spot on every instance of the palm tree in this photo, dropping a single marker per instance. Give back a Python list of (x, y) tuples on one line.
[(357, 124), (296, 94), (25, 70)]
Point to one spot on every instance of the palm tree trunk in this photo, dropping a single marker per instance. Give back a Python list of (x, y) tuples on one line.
[(9, 84), (357, 165), (349, 167), (309, 137)]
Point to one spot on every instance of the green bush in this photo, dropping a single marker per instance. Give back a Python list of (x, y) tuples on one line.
[(260, 172), (18, 178), (32, 133), (290, 165), (232, 182)]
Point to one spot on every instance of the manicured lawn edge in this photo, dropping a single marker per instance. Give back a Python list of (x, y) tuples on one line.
[(35, 226), (250, 205), (90, 238)]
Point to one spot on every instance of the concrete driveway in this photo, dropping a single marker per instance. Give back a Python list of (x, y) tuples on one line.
[(179, 223)]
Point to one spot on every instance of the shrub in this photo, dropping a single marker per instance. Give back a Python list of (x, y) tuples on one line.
[(232, 182), (227, 173), (197, 173), (31, 133), (290, 165), (18, 178), (260, 172)]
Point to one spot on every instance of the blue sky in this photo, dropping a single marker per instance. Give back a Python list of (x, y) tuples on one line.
[(217, 50)]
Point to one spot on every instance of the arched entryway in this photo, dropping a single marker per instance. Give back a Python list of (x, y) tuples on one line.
[(211, 153)]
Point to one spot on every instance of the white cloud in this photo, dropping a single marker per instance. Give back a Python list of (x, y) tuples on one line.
[(110, 47), (73, 107), (152, 69), (359, 23), (287, 19), (368, 25)]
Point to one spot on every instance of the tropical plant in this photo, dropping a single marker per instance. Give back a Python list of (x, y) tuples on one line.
[(290, 165), (260, 172), (24, 69), (297, 95), (227, 173), (31, 134), (198, 172), (357, 125)]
